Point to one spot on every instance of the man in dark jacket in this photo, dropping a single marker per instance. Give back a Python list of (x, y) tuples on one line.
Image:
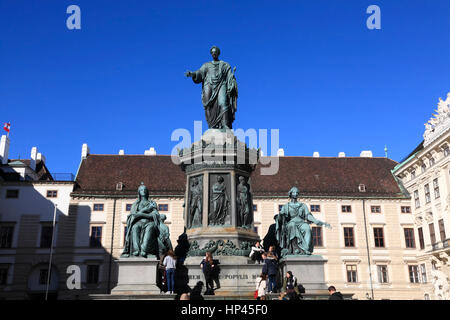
[(334, 295), (270, 267)]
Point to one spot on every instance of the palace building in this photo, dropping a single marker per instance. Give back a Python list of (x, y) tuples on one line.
[(425, 174), (389, 220)]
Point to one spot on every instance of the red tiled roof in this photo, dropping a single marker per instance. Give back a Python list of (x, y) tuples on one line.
[(99, 174), (324, 177), (329, 177)]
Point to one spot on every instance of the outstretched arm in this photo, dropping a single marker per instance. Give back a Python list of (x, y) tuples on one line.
[(311, 219)]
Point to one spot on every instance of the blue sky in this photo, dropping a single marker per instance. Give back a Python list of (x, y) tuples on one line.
[(311, 69)]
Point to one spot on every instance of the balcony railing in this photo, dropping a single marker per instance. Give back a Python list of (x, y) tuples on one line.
[(441, 245)]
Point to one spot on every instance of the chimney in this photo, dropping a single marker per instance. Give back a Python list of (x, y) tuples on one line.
[(121, 152), (366, 154), (34, 154), (41, 157), (4, 149), (84, 151), (316, 154), (280, 152), (341, 155), (150, 152)]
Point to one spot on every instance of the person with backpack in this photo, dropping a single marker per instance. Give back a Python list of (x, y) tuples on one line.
[(261, 285), (291, 287)]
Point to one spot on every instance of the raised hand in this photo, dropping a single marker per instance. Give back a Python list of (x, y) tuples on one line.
[(188, 74)]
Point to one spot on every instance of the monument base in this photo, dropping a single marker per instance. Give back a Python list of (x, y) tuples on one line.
[(136, 276), (237, 275), (309, 271)]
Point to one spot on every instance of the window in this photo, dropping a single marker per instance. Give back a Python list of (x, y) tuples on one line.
[(92, 273), (351, 273), (446, 150), (317, 236), (128, 206), (442, 229), (406, 209), (375, 209), (427, 193), (6, 236), (98, 207), (315, 208), (432, 234), (382, 274), (96, 237), (52, 193), (413, 274), (3, 275), (163, 207), (379, 238), (46, 236), (349, 240), (409, 237), (255, 207), (255, 229), (346, 208), (43, 274), (436, 188), (423, 273), (421, 240), (416, 199), (413, 174), (12, 193), (423, 167)]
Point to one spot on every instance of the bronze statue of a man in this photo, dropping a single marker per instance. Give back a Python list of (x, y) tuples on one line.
[(220, 203), (244, 203), (195, 205), (219, 91), (292, 227)]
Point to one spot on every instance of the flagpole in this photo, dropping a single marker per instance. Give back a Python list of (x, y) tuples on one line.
[(51, 254)]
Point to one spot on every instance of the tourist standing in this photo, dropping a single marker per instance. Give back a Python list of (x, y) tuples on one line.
[(209, 270), (261, 285), (170, 264), (270, 267)]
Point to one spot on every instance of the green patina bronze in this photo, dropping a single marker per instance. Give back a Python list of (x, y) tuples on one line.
[(244, 204), (146, 232), (293, 232), (220, 248), (219, 91)]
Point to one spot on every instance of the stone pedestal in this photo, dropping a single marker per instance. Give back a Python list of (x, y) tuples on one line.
[(309, 271), (137, 276), (237, 275), (218, 155)]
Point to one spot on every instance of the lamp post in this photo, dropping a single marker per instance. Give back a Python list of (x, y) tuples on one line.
[(51, 254)]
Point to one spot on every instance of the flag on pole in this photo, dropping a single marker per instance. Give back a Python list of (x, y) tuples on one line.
[(7, 126)]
